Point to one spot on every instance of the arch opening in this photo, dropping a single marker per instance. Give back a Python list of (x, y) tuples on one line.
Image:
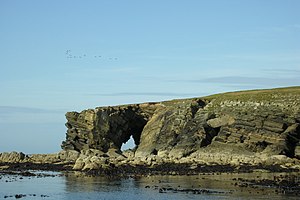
[(129, 145)]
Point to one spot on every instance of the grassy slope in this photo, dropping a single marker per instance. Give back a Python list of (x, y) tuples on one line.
[(252, 95), (258, 95)]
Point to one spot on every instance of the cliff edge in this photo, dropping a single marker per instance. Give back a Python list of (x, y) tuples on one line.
[(248, 127), (258, 128)]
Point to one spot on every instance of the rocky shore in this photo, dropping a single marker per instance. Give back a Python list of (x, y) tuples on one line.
[(249, 130)]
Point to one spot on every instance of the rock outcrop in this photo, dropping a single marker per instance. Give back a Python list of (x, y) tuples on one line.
[(250, 127), (64, 156), (106, 127), (257, 128), (12, 157)]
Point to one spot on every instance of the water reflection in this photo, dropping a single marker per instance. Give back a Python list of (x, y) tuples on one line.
[(223, 186), (77, 182), (78, 186)]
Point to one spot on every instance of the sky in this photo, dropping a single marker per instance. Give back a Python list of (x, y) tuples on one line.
[(70, 55)]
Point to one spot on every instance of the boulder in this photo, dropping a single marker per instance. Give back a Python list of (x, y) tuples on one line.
[(12, 157), (43, 158), (68, 155), (220, 121)]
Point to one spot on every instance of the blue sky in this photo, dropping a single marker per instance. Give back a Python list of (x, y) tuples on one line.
[(59, 55)]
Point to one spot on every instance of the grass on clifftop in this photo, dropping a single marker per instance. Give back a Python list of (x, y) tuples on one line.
[(275, 94), (258, 95), (246, 95)]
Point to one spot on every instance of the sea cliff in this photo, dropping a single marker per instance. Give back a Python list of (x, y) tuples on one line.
[(259, 128)]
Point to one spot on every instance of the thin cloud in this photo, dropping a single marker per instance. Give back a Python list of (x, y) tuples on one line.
[(269, 32), (255, 80), (164, 94), (280, 57), (286, 71), (295, 26), (250, 81), (16, 114), (25, 110)]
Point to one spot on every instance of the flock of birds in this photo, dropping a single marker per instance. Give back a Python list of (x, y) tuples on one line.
[(69, 55)]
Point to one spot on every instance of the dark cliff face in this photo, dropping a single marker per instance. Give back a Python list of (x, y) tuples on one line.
[(106, 127), (265, 121)]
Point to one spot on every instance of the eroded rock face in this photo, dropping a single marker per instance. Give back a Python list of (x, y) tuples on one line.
[(106, 127), (269, 126), (12, 157), (64, 156), (176, 128), (233, 128)]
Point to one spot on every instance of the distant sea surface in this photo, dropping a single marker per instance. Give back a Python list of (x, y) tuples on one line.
[(74, 186)]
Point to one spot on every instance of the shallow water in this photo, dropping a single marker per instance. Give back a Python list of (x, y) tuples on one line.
[(75, 186)]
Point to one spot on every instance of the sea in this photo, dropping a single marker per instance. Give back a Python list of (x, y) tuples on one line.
[(73, 186)]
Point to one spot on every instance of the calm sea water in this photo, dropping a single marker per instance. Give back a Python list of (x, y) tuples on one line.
[(74, 186)]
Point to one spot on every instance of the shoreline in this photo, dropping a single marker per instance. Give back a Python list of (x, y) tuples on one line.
[(124, 171), (247, 178), (240, 132)]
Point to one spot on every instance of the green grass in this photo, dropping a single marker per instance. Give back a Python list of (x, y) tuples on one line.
[(256, 95), (247, 95)]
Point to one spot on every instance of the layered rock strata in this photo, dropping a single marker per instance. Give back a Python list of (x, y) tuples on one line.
[(64, 156), (251, 127), (258, 128)]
